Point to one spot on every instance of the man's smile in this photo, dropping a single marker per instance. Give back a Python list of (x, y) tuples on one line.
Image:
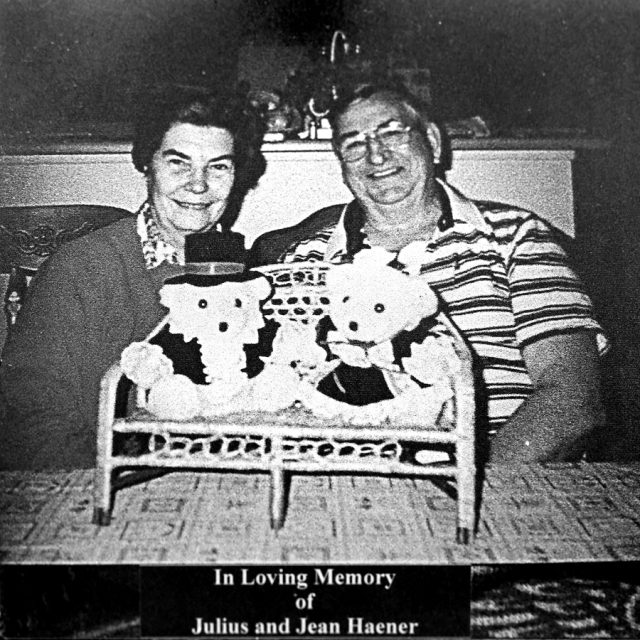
[(385, 173)]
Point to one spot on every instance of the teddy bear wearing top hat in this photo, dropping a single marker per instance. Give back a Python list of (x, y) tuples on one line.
[(195, 362)]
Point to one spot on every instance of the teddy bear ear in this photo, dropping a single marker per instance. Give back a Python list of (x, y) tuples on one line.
[(427, 297), (420, 301), (170, 294), (373, 258), (261, 287), (338, 276)]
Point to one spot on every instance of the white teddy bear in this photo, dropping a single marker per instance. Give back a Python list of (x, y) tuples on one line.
[(222, 317), (371, 304)]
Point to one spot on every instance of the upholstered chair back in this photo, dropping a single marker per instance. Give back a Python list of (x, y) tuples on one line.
[(28, 235)]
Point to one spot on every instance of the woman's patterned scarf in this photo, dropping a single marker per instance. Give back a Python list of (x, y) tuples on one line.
[(155, 249)]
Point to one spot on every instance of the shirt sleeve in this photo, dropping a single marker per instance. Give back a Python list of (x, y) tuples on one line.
[(548, 298), (40, 374)]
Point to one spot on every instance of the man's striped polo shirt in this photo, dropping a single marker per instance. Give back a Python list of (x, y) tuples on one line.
[(504, 280)]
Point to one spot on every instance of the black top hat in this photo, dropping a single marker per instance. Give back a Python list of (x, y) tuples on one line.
[(213, 257), (215, 252), (212, 279)]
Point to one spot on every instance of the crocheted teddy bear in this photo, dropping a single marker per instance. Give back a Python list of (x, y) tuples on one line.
[(222, 314), (394, 363)]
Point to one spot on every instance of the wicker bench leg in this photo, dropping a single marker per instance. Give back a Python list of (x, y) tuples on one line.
[(102, 496), (277, 498), (101, 517), (463, 535), (466, 486), (102, 485)]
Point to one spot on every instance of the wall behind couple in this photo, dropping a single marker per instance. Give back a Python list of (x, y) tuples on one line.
[(523, 63)]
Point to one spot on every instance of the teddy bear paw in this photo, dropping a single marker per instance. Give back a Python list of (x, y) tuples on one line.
[(145, 364), (174, 397)]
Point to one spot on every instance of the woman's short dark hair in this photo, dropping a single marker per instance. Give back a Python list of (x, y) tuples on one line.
[(205, 108)]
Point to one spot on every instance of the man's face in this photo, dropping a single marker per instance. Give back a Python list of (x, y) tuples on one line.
[(384, 175), (190, 179)]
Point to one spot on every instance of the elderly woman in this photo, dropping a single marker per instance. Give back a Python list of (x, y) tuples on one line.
[(200, 155)]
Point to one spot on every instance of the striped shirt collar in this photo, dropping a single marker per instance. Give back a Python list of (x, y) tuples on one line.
[(463, 209), (348, 237), (155, 249)]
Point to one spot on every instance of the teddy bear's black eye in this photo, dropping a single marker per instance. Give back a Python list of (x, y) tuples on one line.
[(345, 298), (238, 302), (379, 308), (202, 303)]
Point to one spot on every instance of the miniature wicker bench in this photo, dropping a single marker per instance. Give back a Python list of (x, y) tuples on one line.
[(292, 440)]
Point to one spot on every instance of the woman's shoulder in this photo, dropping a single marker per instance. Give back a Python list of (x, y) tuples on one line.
[(103, 252), (120, 237)]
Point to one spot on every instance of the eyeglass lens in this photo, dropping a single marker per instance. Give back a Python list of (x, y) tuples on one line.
[(390, 135)]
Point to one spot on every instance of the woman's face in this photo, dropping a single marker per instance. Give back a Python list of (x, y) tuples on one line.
[(190, 179)]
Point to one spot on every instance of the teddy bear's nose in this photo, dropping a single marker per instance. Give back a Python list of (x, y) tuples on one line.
[(223, 326), (353, 325)]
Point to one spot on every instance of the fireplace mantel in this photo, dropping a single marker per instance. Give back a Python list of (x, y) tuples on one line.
[(300, 178)]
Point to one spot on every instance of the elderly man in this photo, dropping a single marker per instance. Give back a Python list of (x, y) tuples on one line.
[(503, 278)]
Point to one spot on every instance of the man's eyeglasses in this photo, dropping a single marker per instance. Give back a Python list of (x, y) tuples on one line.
[(391, 135)]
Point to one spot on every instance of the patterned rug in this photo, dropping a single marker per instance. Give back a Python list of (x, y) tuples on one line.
[(540, 513), (566, 601)]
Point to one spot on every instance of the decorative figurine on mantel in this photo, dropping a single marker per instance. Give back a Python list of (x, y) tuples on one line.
[(282, 118), (315, 86)]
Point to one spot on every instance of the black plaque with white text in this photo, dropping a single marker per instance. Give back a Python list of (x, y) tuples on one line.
[(305, 601)]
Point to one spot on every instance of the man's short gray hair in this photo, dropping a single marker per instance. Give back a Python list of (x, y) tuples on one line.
[(389, 90)]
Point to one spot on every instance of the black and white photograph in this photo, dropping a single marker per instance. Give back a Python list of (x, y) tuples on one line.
[(415, 411)]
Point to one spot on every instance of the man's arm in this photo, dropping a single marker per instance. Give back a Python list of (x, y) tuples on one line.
[(271, 245), (553, 423)]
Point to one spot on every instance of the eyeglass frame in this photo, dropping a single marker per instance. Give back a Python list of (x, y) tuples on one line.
[(368, 136)]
